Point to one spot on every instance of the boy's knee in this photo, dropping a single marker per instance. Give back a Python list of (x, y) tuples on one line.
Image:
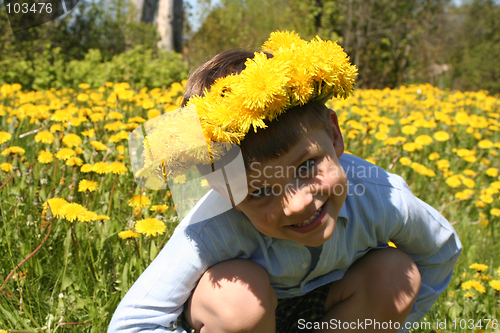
[(233, 296), (393, 279)]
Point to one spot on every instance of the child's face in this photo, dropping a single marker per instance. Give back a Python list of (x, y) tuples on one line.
[(298, 195)]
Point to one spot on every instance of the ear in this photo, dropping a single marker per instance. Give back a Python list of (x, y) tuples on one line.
[(338, 141)]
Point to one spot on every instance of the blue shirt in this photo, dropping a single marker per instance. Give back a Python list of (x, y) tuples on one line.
[(379, 208)]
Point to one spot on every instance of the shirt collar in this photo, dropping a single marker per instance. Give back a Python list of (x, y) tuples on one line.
[(343, 213)]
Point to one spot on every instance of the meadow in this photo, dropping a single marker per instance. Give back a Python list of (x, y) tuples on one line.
[(76, 231)]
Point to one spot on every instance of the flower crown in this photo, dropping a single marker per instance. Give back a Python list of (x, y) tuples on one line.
[(298, 72)]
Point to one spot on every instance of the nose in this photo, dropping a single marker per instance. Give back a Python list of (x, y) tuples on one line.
[(296, 200)]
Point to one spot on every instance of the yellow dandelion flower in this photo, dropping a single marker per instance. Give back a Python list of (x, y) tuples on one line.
[(262, 83), (467, 285), (409, 130), (65, 153), (45, 157), (60, 116), (391, 244), (462, 118), (83, 86), (153, 113), (56, 128), (45, 137), (434, 156), (480, 204), (486, 198), (74, 161), (95, 117), (204, 183), (72, 140), (56, 204), (485, 161), (479, 267), (424, 140), (86, 168), (137, 120), (280, 40), (120, 149), (90, 133), (470, 158), (82, 97), (115, 115), (148, 104), (98, 145), (128, 234), (73, 211), (495, 212), (492, 172), (485, 144), (405, 161), (495, 284), (100, 168), (180, 179), (412, 146), (441, 136), (7, 167), (4, 137), (13, 150), (469, 172), (159, 208), (102, 217), (468, 182), (495, 184), (443, 165), (453, 181), (139, 201), (87, 185), (117, 168), (465, 194), (468, 294), (381, 136), (87, 216), (464, 152), (150, 227)]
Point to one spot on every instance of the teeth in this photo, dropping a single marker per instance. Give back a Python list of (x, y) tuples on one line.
[(309, 220)]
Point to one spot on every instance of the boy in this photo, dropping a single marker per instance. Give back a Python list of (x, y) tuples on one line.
[(306, 250)]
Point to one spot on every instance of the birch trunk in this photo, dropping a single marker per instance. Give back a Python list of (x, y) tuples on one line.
[(169, 25)]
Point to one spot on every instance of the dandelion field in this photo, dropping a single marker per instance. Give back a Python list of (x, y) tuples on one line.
[(76, 231)]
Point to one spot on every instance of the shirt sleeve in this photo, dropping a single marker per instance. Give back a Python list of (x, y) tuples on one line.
[(429, 239), (156, 299)]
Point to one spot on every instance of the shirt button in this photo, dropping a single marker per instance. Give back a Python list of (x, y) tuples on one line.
[(304, 265)]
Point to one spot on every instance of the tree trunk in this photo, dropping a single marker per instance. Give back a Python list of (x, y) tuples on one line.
[(138, 4), (149, 10), (169, 25)]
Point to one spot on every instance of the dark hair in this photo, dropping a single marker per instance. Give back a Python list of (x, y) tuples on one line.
[(282, 133)]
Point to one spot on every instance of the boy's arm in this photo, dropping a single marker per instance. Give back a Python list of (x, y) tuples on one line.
[(429, 239), (156, 299)]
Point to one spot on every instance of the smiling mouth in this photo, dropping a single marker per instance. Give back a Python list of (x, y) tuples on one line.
[(309, 220)]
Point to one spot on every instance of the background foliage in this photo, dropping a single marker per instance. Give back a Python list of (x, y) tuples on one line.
[(392, 42)]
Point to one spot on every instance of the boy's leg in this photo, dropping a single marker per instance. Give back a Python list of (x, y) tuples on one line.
[(233, 296), (381, 286)]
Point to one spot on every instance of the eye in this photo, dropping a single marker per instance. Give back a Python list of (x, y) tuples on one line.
[(306, 168), (261, 192)]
